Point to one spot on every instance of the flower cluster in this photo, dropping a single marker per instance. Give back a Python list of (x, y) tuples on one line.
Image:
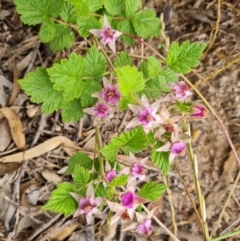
[(107, 101)]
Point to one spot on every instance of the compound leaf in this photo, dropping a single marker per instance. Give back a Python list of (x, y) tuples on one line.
[(114, 7), (63, 38), (40, 89), (68, 13), (95, 64), (152, 191), (130, 80), (146, 24), (61, 201), (122, 60), (181, 58), (85, 23), (72, 111), (47, 32), (131, 6), (67, 76), (80, 176)]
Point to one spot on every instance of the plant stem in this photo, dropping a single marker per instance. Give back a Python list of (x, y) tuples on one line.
[(226, 235)]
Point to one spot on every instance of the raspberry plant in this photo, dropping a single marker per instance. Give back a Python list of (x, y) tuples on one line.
[(101, 83)]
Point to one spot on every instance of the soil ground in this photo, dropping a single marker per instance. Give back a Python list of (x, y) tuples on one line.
[(25, 187)]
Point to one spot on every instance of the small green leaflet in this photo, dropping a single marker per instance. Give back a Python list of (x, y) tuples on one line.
[(67, 76), (68, 13), (100, 191), (95, 64), (114, 7), (182, 58), (63, 38), (126, 26), (146, 24), (119, 181), (61, 201), (152, 191), (80, 159), (80, 176), (131, 7), (184, 107), (133, 141), (153, 66), (72, 110), (39, 87), (122, 60), (161, 159), (85, 23), (130, 80), (34, 11), (47, 32), (90, 87)]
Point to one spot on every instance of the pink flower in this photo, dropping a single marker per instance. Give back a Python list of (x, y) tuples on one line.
[(88, 205), (146, 115), (129, 202), (110, 92), (107, 34), (144, 223), (128, 199), (110, 173), (198, 111), (136, 169), (176, 147), (101, 111), (181, 90), (168, 124)]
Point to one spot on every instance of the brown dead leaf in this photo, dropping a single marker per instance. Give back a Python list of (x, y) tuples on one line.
[(9, 167), (41, 149), (3, 96), (16, 87), (5, 135), (50, 176), (16, 127)]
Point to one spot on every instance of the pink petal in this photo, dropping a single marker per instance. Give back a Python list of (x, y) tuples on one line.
[(145, 102), (89, 219), (117, 216), (106, 82), (106, 23), (89, 111), (96, 32), (140, 217), (133, 123), (76, 213), (164, 112), (107, 167), (133, 226), (90, 191), (134, 108), (156, 105), (164, 148), (112, 46), (75, 196)]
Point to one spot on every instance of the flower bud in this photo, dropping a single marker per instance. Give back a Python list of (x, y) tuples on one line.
[(198, 111)]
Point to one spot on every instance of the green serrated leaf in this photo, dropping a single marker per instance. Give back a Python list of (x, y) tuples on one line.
[(125, 101), (130, 80), (126, 26), (131, 7), (122, 60), (67, 76), (100, 191), (63, 38), (181, 58), (153, 66), (161, 159), (146, 24), (47, 32), (40, 89), (119, 181), (95, 64), (90, 87), (68, 13), (152, 89), (81, 7), (132, 141), (80, 159), (85, 23), (152, 191), (168, 75), (143, 68), (72, 111), (55, 7), (114, 7), (80, 176), (95, 5), (34, 11), (61, 201)]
